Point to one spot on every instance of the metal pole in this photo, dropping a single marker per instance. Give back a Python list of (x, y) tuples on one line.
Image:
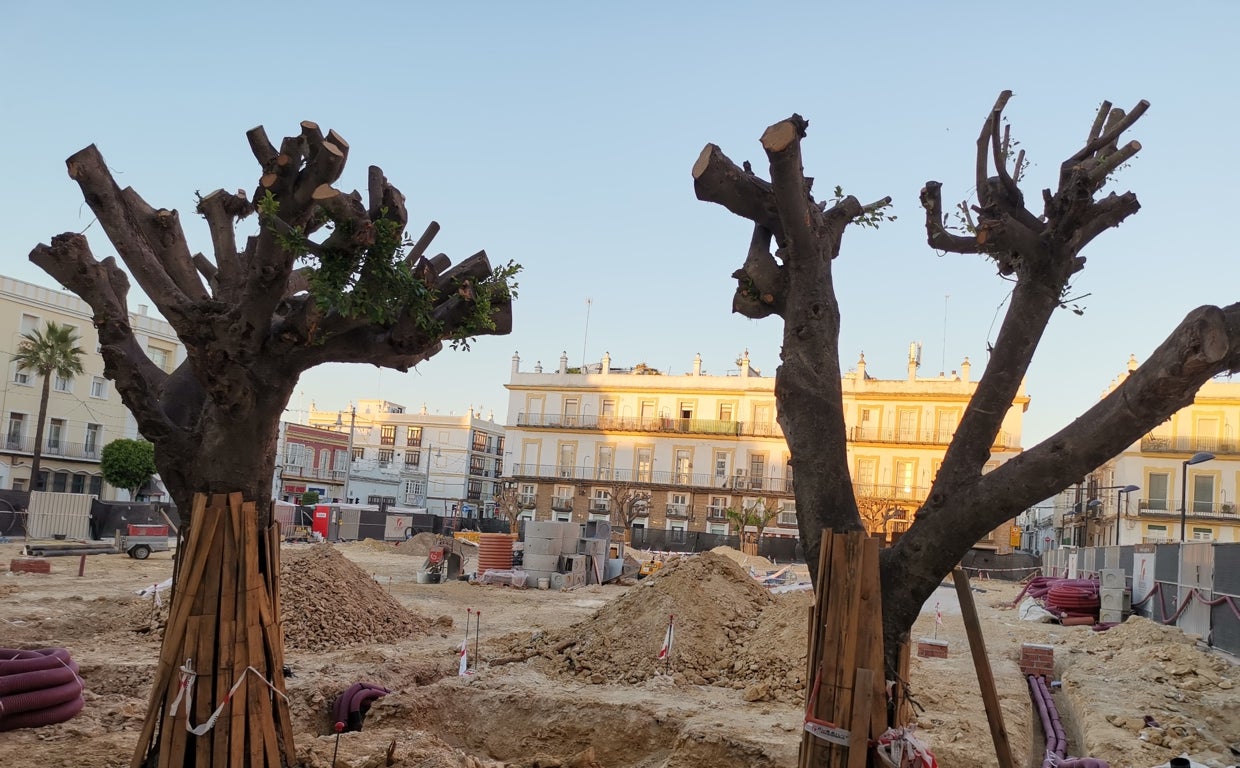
[(1183, 499), (1119, 514), (348, 467)]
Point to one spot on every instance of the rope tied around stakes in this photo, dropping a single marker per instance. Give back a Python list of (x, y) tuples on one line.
[(186, 691)]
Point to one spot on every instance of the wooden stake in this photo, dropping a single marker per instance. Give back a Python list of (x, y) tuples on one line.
[(859, 725), (985, 678)]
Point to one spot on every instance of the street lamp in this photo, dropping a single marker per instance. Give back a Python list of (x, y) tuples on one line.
[(1196, 458), (1119, 508)]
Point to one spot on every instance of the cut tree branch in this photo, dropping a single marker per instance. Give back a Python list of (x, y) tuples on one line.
[(936, 234), (782, 142), (716, 179)]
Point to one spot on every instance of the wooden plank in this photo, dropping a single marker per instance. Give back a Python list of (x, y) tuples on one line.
[(985, 677), (206, 694), (239, 740), (227, 637), (904, 708), (274, 635), (189, 572), (870, 635), (261, 725), (858, 726), (175, 737), (840, 659), (813, 657)]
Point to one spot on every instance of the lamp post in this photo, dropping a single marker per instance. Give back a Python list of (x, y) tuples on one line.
[(1196, 458), (348, 466), (1119, 508)]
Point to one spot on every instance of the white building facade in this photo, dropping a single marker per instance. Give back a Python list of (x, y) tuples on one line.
[(702, 444)]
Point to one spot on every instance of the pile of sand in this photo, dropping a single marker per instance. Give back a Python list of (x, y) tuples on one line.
[(419, 545), (745, 561), (729, 632), (328, 602)]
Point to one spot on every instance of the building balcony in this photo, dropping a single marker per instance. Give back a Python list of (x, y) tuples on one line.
[(54, 449), (562, 503), (1202, 510), (527, 501), (291, 471), (717, 513), (678, 511), (1190, 445), (741, 484), (914, 436), (649, 424)]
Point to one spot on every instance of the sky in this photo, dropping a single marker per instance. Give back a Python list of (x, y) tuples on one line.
[(560, 135)]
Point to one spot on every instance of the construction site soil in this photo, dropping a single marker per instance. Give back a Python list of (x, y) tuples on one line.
[(572, 679)]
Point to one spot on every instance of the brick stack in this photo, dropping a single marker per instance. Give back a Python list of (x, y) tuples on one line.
[(931, 649), (29, 565), (1037, 659)]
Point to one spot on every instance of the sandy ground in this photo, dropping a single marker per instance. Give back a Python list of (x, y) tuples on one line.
[(732, 698)]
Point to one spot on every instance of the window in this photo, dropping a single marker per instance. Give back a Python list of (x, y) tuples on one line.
[(763, 424), (415, 491), (159, 357), (757, 471), (99, 387), (91, 446), (601, 502), (718, 508), (476, 466), (645, 465), (78, 484), (904, 479), (721, 465), (413, 458), (726, 412), (60, 482), (325, 461), (1203, 493), (20, 376), (867, 472), (567, 458), (607, 413), (787, 514), (61, 384), (414, 438), (606, 462), (29, 323), (569, 413), (359, 454), (96, 485), (867, 424), (1203, 534), (387, 434), (684, 462), (475, 490), (385, 456), (295, 456), (17, 429), (945, 426), (528, 495), (1159, 484), (906, 424), (1156, 533), (55, 436)]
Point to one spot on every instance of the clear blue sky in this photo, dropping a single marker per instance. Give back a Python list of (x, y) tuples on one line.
[(561, 135)]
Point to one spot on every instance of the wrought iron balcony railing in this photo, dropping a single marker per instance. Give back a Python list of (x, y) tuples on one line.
[(1190, 445), (1226, 510), (57, 449), (650, 424), (923, 436), (738, 484)]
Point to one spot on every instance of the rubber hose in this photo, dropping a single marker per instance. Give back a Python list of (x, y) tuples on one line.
[(1035, 691), (43, 698), (340, 709), (13, 661), (33, 681), (57, 714), (1083, 762), (360, 705)]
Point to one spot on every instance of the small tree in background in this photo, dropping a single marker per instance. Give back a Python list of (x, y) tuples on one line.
[(508, 504), (628, 502), (309, 498), (758, 515), (128, 464), (52, 352)]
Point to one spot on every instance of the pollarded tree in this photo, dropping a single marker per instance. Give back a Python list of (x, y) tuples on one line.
[(508, 504), (1038, 253), (328, 276), (128, 464), (628, 502)]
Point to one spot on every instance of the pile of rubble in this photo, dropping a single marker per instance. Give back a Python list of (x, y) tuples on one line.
[(328, 602), (729, 632)]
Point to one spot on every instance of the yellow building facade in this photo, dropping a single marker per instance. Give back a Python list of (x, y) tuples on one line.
[(1187, 470), (701, 444), (83, 414)]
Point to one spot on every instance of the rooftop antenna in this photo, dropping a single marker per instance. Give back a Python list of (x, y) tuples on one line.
[(586, 336), (943, 362)]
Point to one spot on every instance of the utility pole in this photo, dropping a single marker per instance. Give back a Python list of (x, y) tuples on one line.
[(348, 467)]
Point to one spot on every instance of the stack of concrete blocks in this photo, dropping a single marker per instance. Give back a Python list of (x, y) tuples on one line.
[(595, 544), (1112, 597), (543, 544)]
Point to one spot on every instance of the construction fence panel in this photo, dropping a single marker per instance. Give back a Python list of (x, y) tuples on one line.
[(1196, 578), (1225, 617), (59, 514)]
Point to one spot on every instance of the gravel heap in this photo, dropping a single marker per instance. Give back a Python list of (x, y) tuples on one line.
[(328, 602), (729, 632)]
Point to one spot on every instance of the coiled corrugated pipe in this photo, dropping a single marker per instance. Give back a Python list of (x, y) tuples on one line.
[(1056, 741), (38, 687)]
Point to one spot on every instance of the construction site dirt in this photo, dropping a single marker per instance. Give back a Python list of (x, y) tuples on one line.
[(573, 678)]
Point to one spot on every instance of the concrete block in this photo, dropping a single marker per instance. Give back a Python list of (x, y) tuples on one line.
[(1112, 578), (572, 564), (541, 562), (543, 530), (543, 546), (1111, 599), (598, 529), (592, 547), (1110, 617)]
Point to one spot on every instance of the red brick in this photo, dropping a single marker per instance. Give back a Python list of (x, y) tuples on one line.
[(29, 565)]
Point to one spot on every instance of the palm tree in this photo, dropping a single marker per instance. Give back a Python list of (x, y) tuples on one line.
[(54, 351)]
